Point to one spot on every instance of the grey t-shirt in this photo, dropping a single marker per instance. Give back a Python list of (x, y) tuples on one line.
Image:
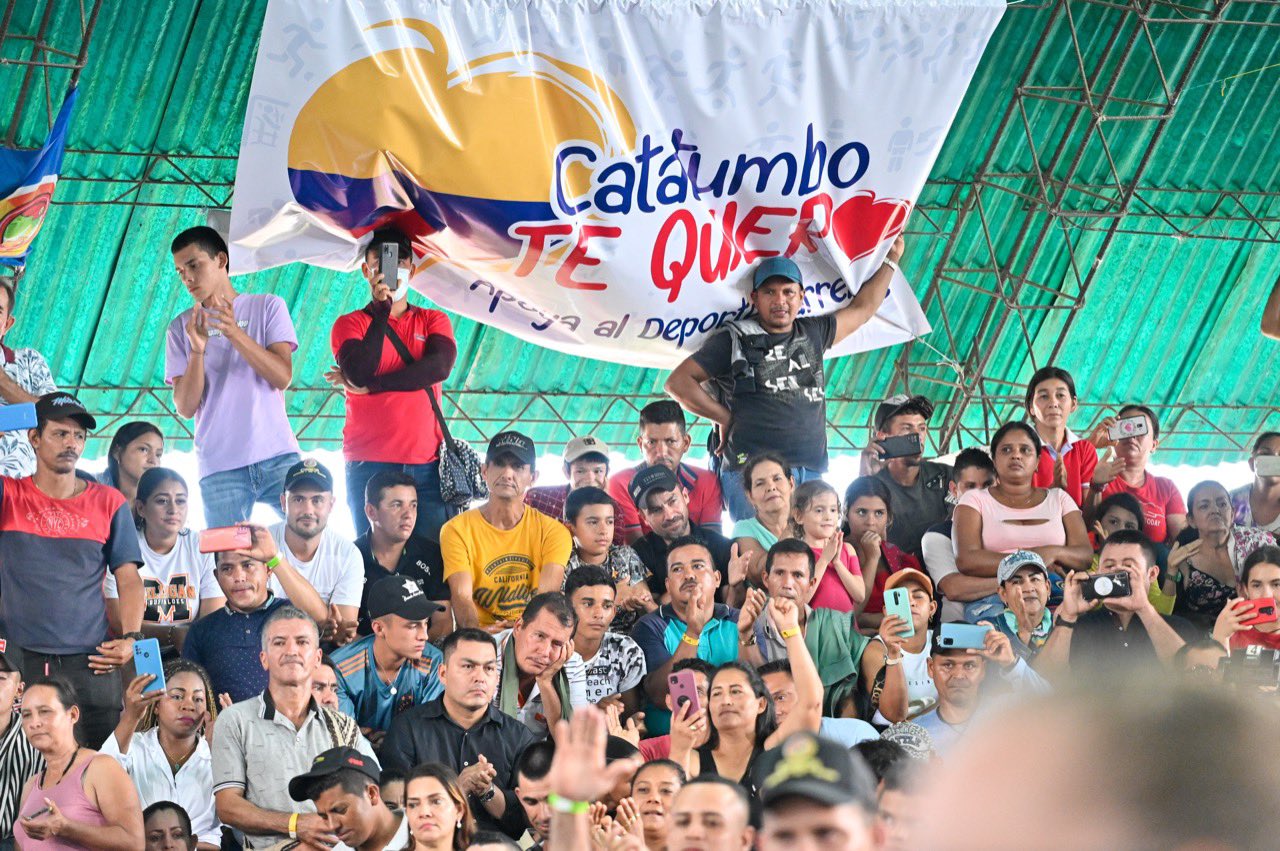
[(918, 507), (786, 412)]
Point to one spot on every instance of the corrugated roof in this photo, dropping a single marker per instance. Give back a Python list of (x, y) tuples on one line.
[(1170, 321)]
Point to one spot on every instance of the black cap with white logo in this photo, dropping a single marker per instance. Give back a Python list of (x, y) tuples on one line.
[(400, 595), (512, 443), (63, 406)]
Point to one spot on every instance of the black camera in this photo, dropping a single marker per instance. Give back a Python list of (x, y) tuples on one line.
[(1252, 667), (1106, 585)]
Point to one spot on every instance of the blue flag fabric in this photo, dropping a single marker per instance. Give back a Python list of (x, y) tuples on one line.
[(27, 179)]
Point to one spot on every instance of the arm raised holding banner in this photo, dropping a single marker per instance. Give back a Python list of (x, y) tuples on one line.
[(870, 296)]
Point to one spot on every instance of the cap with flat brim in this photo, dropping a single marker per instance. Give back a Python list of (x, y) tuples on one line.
[(63, 406), (402, 596)]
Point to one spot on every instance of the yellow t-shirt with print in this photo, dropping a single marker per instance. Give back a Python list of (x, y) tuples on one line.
[(505, 565)]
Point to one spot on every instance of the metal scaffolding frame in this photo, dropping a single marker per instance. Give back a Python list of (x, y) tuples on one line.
[(1060, 214)]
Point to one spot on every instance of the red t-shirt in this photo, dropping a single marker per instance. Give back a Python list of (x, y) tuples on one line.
[(1159, 497), (1080, 458), (706, 507), (1251, 637), (394, 426), (893, 559)]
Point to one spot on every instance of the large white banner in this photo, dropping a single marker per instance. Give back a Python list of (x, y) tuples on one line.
[(599, 176)]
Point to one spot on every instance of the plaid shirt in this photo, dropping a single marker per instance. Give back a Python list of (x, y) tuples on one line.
[(30, 371), (550, 501)]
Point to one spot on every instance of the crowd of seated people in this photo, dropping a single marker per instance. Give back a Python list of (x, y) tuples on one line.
[(593, 665)]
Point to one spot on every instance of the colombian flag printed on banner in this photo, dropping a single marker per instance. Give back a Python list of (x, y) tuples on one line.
[(600, 177), (27, 179)]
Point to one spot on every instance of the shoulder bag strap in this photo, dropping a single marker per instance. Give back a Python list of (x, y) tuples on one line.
[(403, 350)]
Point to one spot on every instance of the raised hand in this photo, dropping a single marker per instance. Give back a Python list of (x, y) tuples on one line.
[(898, 248), (997, 647), (701, 607), (750, 611), (629, 732), (221, 318), (890, 632), (578, 770), (832, 548), (737, 566), (1109, 466), (785, 613), (197, 329), (135, 701)]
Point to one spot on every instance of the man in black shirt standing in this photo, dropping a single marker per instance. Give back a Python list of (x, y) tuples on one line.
[(391, 547), (465, 731), (1126, 632), (770, 386)]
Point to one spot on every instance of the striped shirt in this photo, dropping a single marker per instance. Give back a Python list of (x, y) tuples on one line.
[(19, 761)]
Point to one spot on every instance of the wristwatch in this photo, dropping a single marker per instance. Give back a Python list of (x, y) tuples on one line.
[(1065, 624), (136, 636), (488, 795)]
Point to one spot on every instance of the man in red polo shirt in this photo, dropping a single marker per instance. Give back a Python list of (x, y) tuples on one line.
[(390, 423), (664, 439)]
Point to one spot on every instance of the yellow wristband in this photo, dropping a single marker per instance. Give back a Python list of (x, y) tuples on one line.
[(273, 563), (790, 633), (293, 825), (692, 642)]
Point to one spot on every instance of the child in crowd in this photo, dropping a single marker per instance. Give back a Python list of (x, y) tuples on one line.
[(589, 514), (838, 582)]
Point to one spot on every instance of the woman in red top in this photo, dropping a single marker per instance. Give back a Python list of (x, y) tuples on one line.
[(868, 516), (1166, 513)]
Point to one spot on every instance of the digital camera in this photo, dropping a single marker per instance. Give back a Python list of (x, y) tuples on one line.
[(1106, 585)]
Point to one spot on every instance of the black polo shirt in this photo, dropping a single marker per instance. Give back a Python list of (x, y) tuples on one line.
[(1098, 642), (426, 733), (653, 552), (420, 560)]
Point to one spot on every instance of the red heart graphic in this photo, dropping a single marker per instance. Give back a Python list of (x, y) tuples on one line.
[(863, 222)]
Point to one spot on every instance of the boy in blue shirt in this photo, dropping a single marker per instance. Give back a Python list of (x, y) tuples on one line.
[(381, 675)]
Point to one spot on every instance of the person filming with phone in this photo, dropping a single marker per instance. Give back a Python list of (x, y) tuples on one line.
[(1250, 620), (917, 488), (1126, 630), (390, 355)]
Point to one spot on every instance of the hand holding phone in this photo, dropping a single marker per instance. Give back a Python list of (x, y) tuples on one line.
[(224, 539), (1262, 610), (684, 689), (389, 265), (964, 636), (897, 601), (147, 660), (901, 446), (1135, 426)]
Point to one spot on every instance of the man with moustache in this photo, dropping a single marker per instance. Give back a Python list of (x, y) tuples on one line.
[(59, 537), (918, 488)]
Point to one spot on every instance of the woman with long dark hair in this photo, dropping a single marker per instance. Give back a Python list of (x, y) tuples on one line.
[(741, 713), (136, 448), (438, 813), (82, 799), (180, 580), (162, 742)]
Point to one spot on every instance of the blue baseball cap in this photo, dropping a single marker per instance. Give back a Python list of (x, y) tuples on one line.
[(775, 267)]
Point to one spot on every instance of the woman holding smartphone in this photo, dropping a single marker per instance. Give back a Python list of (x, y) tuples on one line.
[(162, 741), (82, 799), (179, 580)]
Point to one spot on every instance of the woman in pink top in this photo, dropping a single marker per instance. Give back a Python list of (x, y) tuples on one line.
[(1013, 514), (837, 579), (82, 799)]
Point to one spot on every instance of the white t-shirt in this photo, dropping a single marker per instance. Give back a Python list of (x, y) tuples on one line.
[(337, 571), (922, 694), (618, 666), (940, 560), (173, 584)]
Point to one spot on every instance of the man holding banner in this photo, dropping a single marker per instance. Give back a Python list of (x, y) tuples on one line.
[(761, 380)]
